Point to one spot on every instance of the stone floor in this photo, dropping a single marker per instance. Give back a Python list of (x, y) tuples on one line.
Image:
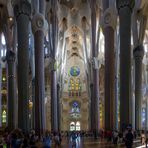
[(91, 143)]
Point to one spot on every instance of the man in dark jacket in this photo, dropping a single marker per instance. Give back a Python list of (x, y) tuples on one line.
[(129, 139)]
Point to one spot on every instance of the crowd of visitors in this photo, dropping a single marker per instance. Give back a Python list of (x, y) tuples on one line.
[(19, 139), (127, 137)]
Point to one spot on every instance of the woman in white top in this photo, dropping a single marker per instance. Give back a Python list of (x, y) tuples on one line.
[(143, 138)]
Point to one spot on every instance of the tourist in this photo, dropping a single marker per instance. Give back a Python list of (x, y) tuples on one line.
[(115, 137), (143, 138), (56, 140), (47, 141), (74, 138), (129, 139)]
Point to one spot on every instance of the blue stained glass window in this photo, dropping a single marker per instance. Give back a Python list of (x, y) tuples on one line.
[(75, 71), (75, 104), (75, 107)]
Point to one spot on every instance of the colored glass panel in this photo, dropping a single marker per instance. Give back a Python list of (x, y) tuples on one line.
[(75, 71)]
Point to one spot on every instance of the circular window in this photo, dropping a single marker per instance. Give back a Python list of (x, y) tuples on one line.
[(75, 71)]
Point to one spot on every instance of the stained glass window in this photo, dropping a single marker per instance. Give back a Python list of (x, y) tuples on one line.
[(72, 126), (75, 110), (78, 128), (75, 104), (74, 87), (74, 71), (4, 116), (75, 126)]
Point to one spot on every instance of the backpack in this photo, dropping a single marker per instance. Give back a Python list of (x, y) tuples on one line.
[(46, 142)]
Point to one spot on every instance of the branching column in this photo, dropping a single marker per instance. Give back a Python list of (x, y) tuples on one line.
[(109, 26), (11, 89), (88, 68), (138, 55), (138, 27), (95, 96), (58, 106), (38, 26), (146, 114), (125, 10), (91, 106), (54, 101), (0, 85), (33, 101), (22, 12)]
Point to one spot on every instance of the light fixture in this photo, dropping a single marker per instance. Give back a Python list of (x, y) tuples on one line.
[(30, 104), (4, 79), (10, 18)]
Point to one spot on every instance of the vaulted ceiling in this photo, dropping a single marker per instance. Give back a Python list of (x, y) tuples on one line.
[(73, 20)]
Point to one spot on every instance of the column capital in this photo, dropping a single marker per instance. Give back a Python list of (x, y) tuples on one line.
[(53, 65), (95, 63), (93, 5), (10, 56), (138, 52), (125, 3), (22, 7), (39, 23), (109, 18)]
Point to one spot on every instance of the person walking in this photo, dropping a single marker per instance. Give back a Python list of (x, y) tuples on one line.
[(143, 138), (129, 139)]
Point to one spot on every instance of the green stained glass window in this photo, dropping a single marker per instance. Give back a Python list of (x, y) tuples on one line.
[(4, 116)]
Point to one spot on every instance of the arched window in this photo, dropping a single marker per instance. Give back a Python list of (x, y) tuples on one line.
[(75, 107), (78, 87), (143, 117), (4, 116), (72, 126), (78, 126), (75, 110), (75, 126), (3, 49), (71, 87), (74, 87), (3, 41)]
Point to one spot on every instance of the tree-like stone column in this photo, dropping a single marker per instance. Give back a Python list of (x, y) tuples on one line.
[(39, 26), (95, 93), (58, 106), (125, 10), (138, 55), (0, 85), (138, 27), (22, 11), (109, 24), (54, 100), (10, 57)]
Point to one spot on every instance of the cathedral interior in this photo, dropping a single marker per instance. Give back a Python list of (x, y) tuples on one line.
[(73, 64)]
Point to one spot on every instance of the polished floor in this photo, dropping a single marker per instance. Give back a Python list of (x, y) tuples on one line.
[(91, 143)]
